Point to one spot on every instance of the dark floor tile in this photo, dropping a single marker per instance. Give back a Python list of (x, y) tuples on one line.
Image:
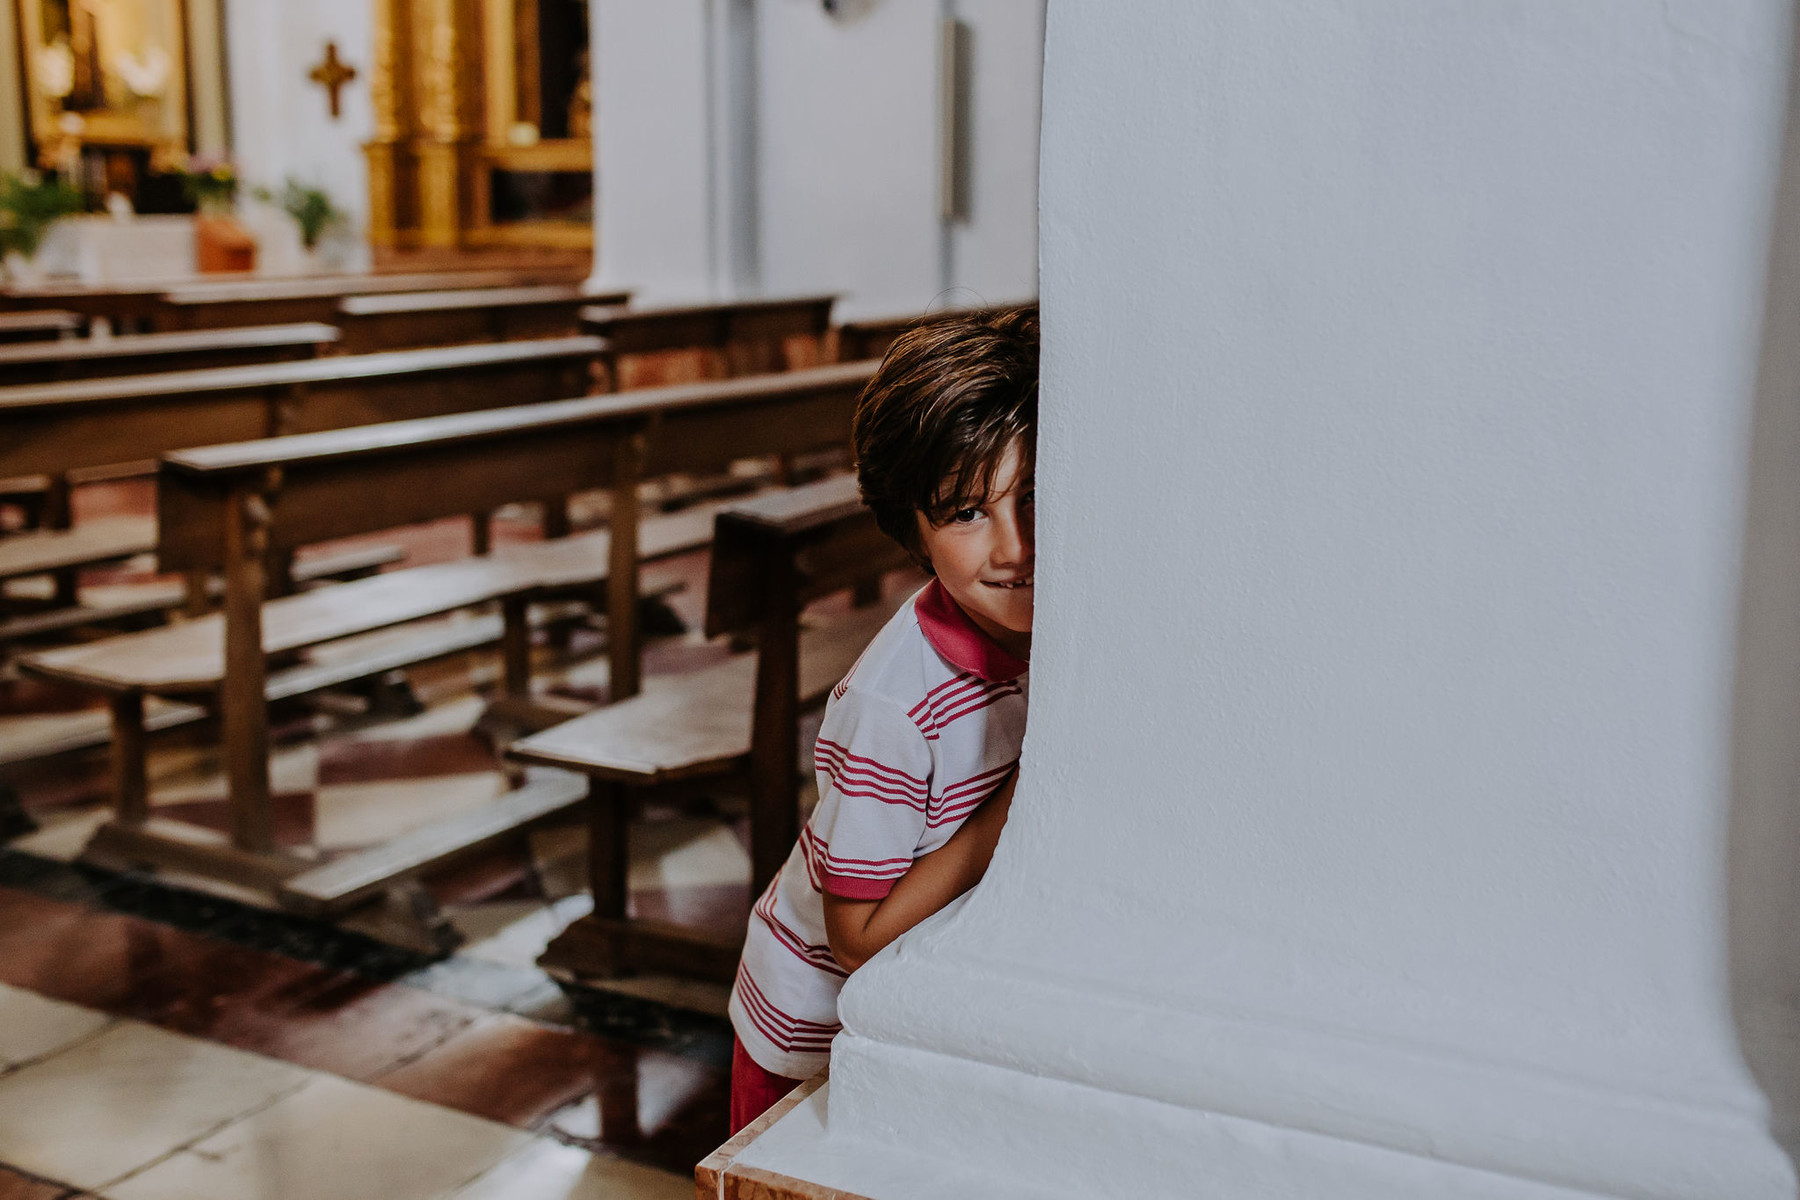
[(194, 984), (347, 1026), (508, 1069), (70, 952), (15, 1185), (134, 967), (342, 760), (717, 906)]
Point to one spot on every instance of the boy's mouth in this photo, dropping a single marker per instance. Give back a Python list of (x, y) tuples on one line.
[(1009, 585)]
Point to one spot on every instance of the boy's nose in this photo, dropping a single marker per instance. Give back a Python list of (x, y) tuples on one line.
[(1012, 538)]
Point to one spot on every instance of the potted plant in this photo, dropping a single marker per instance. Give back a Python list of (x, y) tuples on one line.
[(29, 203), (310, 207), (221, 243)]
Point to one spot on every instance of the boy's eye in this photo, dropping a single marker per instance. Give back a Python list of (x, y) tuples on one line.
[(963, 516), (1029, 497)]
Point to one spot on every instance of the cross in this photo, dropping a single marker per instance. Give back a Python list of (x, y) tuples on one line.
[(332, 75)]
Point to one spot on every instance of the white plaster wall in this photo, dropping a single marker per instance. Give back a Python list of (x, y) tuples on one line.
[(764, 147), (1406, 650), (848, 152), (993, 256), (281, 124), (655, 209)]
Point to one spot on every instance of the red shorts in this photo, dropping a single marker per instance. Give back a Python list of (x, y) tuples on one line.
[(753, 1090)]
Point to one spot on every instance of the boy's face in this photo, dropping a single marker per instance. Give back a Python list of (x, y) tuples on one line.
[(985, 556)]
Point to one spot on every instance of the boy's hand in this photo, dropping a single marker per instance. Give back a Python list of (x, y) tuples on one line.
[(858, 929)]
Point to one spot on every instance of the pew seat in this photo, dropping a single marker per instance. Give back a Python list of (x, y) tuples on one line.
[(189, 658), (102, 540), (112, 539)]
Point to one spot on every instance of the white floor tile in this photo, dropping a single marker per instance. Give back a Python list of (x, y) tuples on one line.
[(548, 1170), (515, 933), (62, 833), (32, 1026), (125, 1097), (686, 853), (331, 1140), (348, 815)]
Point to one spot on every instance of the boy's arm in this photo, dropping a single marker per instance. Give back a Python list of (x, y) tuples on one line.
[(858, 929)]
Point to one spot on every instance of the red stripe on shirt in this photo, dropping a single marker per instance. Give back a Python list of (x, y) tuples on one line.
[(787, 1033)]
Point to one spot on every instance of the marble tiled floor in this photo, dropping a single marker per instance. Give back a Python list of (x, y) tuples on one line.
[(173, 1037), (95, 1105)]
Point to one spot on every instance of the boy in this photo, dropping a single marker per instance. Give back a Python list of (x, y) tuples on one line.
[(917, 754)]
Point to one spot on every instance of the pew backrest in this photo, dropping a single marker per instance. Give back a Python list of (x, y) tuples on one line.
[(88, 358), (313, 298), (742, 336), (443, 318), (343, 482), (858, 340), (776, 552), (45, 324), (58, 427)]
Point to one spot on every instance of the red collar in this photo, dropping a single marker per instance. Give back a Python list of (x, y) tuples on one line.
[(961, 641)]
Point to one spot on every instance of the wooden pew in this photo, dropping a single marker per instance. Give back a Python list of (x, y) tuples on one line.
[(405, 320), (133, 354), (857, 340), (313, 298), (232, 507), (53, 429), (119, 307), (735, 338), (44, 325), (772, 555)]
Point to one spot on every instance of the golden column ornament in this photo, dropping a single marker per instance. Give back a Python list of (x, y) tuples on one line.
[(389, 95), (447, 78)]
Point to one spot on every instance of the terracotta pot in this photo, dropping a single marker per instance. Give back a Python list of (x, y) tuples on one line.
[(221, 243)]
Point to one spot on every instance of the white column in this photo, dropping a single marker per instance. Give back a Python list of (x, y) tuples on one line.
[(1409, 804)]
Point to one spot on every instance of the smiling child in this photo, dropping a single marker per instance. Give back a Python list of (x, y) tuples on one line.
[(917, 755)]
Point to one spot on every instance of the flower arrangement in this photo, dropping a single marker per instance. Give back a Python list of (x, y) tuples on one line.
[(210, 181), (29, 203), (311, 208)]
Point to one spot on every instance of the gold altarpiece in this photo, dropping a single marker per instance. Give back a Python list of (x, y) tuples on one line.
[(482, 124)]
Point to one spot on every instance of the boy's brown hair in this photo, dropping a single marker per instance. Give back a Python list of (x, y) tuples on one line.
[(933, 424)]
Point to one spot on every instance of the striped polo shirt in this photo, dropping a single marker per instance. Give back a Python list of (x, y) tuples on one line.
[(926, 725)]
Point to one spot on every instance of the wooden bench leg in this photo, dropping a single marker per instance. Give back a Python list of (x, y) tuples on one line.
[(59, 513), (609, 850), (196, 592), (131, 775), (556, 518), (515, 646), (774, 749), (481, 531), (623, 649), (244, 713)]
